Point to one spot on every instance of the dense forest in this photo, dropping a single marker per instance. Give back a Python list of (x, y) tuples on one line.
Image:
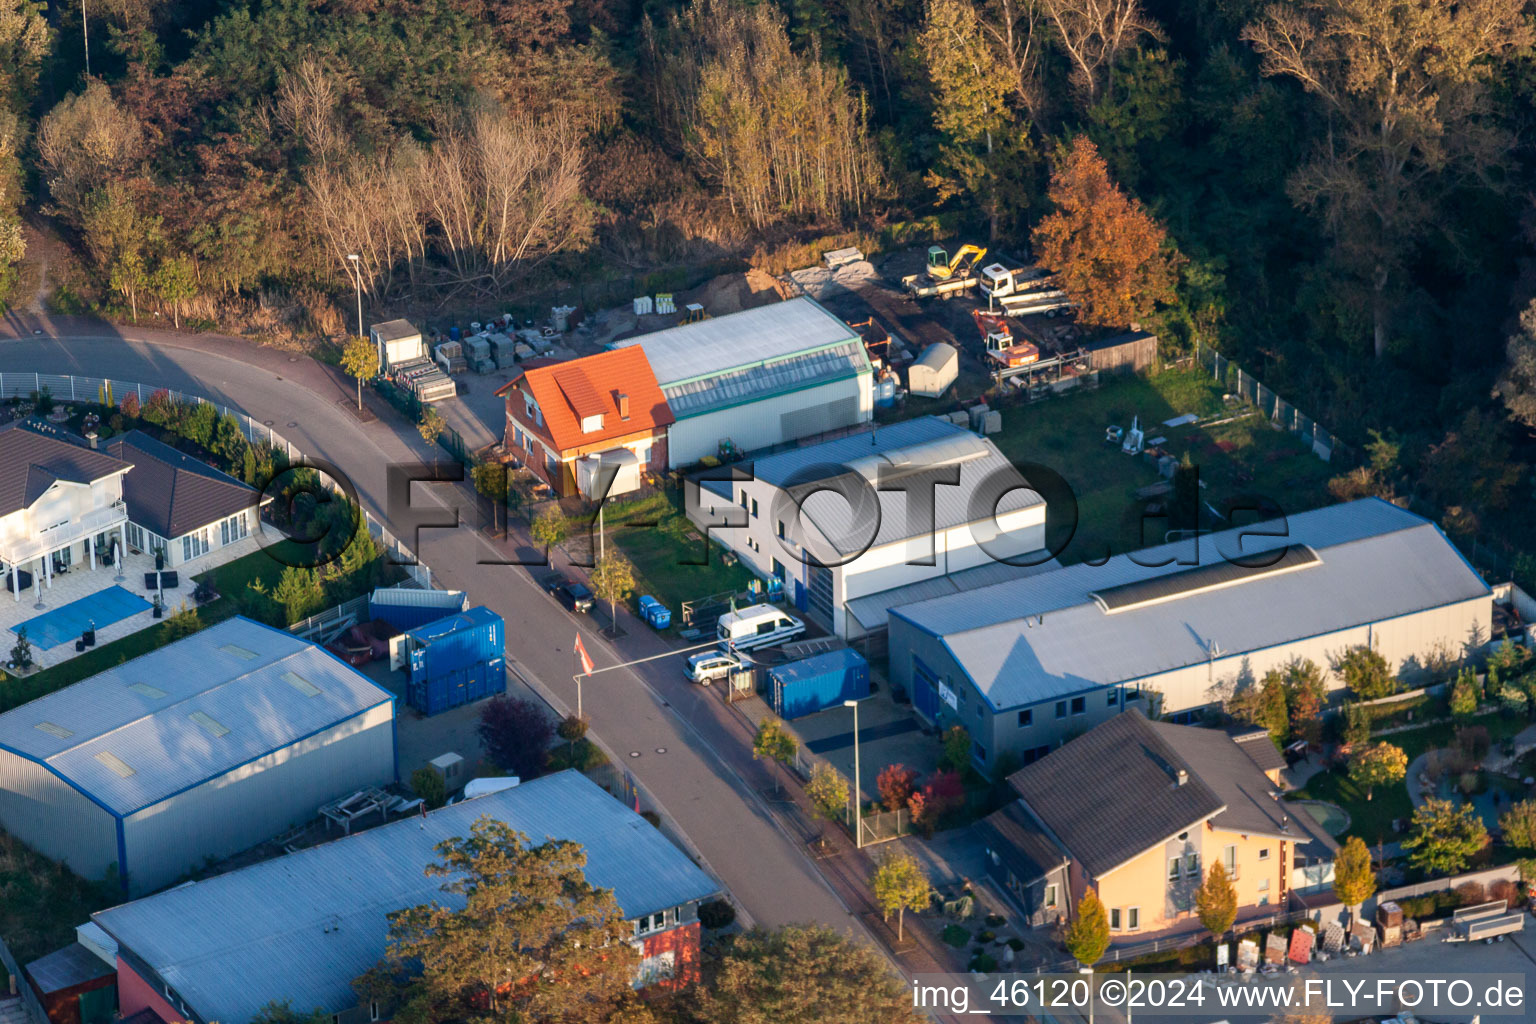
[(1347, 185)]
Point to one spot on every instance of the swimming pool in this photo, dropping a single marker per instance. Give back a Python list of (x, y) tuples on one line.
[(66, 623)]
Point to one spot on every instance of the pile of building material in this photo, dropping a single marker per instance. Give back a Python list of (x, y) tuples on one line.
[(477, 353), (426, 380), (985, 420), (835, 258), (821, 283), (450, 356)]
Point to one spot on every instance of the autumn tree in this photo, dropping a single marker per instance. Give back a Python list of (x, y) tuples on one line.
[(431, 426), (360, 360), (1354, 879), (515, 734), (24, 41), (1404, 86), (550, 527), (521, 933), (1379, 764), (900, 884), (1444, 837), (1464, 695), (613, 580), (174, 282), (1087, 937), (780, 132), (803, 974), (828, 793), (82, 143), (1216, 901), (1113, 259), (896, 783), (772, 743), (1471, 472)]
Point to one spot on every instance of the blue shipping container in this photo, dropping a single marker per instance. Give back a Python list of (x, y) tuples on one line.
[(455, 660), (408, 607), (819, 682)]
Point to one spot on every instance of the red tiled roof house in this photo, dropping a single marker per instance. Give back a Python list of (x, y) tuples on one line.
[(575, 423)]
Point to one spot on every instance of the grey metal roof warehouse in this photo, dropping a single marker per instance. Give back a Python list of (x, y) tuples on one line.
[(302, 926), (910, 447), (186, 713), (1055, 634), (750, 355)]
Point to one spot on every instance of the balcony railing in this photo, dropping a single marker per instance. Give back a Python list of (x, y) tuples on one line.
[(97, 520)]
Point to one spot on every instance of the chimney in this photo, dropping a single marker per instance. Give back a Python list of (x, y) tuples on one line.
[(1180, 777), (623, 406), (91, 438)]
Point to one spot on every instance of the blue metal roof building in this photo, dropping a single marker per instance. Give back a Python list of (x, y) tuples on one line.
[(196, 750), (302, 926)]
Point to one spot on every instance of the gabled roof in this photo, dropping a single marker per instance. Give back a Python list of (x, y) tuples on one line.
[(751, 355), (33, 457), (302, 926), (187, 712), (567, 392), (1310, 574), (171, 493), (1016, 838), (1115, 792)]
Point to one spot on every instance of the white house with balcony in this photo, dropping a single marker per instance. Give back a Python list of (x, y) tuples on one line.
[(61, 506)]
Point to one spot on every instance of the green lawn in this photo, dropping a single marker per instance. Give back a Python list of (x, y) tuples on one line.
[(1371, 819), (656, 536), (1243, 458)]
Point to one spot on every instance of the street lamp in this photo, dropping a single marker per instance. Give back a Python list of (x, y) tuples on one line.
[(858, 792), (357, 271)]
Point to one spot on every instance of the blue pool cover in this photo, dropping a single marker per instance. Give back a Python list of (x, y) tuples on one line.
[(62, 625)]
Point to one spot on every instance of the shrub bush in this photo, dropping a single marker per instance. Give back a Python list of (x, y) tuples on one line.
[(1506, 890), (715, 914), (1470, 894)]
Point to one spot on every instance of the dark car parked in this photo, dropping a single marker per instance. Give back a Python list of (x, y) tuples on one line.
[(575, 596)]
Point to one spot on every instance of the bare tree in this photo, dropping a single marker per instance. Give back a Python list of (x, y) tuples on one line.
[(1092, 34), (82, 143), (1402, 83)]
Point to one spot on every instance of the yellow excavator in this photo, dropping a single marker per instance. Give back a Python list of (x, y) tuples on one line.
[(942, 268)]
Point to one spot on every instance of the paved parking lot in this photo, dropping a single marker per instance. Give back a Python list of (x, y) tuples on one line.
[(1431, 957), (889, 733)]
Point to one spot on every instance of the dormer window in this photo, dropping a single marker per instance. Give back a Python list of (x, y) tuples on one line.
[(591, 424)]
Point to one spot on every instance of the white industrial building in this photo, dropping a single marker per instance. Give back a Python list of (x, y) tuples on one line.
[(758, 378), (1027, 664), (863, 523), (196, 750)]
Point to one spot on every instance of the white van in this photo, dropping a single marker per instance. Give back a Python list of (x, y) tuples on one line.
[(762, 625)]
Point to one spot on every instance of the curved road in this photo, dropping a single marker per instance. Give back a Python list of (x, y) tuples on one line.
[(690, 752)]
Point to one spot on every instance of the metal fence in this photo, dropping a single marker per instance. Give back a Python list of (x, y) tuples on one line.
[(73, 388), (1324, 444), (24, 991)]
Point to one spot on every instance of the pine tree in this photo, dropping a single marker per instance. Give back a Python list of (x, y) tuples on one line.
[(1354, 880), (1216, 901)]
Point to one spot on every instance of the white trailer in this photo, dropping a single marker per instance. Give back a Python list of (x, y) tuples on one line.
[(922, 286)]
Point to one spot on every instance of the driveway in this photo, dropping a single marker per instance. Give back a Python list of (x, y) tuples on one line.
[(680, 744)]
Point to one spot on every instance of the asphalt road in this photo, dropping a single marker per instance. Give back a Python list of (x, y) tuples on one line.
[(687, 755)]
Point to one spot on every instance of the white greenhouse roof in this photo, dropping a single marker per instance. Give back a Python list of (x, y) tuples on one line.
[(746, 356), (300, 927), (1059, 633), (187, 712)]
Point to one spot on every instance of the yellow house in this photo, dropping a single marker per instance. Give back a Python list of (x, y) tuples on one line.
[(1140, 810)]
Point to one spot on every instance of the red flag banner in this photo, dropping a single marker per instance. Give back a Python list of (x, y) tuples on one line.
[(586, 659)]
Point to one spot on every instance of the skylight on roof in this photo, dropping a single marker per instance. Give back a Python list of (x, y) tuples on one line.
[(54, 730), (301, 684), (212, 726), (244, 654), (147, 690), (116, 763)]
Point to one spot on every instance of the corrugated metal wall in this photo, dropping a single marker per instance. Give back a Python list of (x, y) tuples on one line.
[(52, 817), (762, 423), (258, 801)]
